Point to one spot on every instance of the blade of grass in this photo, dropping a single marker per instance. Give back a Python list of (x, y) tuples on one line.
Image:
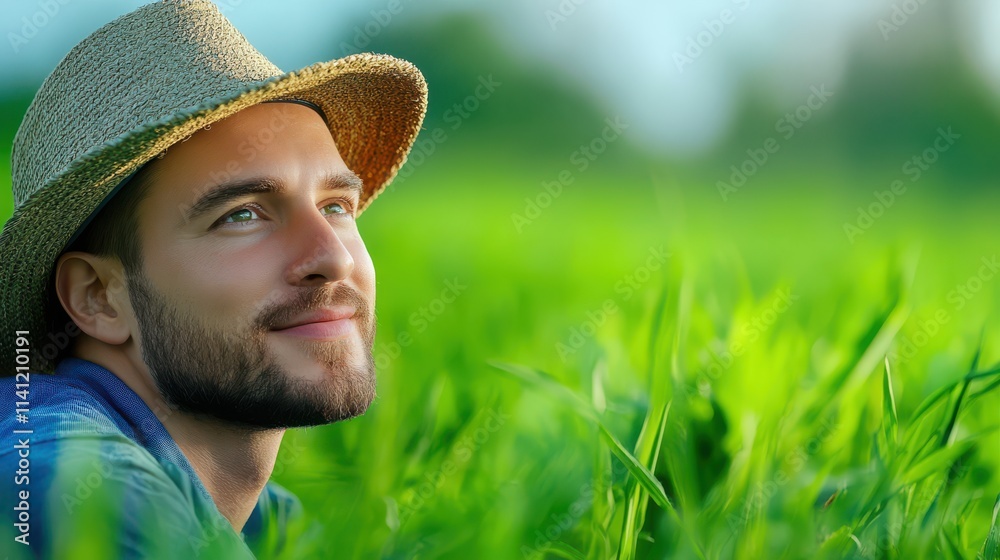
[(937, 462), (946, 435), (984, 391), (564, 394), (650, 435), (995, 370), (636, 501), (950, 547), (630, 532), (564, 550), (639, 472), (890, 421), (551, 387), (991, 548), (873, 346)]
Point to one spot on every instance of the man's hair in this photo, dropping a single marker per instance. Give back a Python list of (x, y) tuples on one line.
[(114, 232)]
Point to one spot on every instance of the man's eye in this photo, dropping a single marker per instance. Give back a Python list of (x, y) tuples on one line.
[(241, 215), (335, 208)]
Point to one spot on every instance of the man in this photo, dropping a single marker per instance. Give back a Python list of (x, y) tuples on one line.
[(183, 279)]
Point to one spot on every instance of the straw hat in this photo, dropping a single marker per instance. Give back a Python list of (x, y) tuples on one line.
[(147, 80)]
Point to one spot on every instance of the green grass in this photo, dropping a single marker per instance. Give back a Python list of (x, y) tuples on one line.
[(770, 390), (827, 436)]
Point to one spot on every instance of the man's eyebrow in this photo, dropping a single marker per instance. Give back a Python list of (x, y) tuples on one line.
[(346, 181), (221, 194)]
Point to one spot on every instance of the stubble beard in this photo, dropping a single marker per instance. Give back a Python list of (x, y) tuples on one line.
[(235, 378)]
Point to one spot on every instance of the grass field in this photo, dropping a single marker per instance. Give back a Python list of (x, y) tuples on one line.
[(651, 372), (641, 369), (634, 366)]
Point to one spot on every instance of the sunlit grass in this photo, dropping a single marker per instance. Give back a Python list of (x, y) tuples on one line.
[(766, 390), (736, 404)]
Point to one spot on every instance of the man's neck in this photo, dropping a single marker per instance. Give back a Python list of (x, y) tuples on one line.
[(233, 463)]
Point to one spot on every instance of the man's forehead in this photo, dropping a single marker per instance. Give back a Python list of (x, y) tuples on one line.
[(261, 135), (272, 147), (263, 122)]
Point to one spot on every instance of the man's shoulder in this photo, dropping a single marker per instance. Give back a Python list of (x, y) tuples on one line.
[(105, 493), (65, 440), (53, 408), (71, 432)]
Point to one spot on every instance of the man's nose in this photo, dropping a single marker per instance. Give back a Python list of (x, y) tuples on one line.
[(323, 257)]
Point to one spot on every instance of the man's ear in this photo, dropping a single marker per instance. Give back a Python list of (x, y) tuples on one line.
[(92, 291)]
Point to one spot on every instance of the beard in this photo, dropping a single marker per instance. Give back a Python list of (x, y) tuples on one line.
[(233, 377)]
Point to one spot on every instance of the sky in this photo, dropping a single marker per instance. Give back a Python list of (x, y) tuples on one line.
[(673, 69)]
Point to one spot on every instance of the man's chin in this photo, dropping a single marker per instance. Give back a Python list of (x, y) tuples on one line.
[(343, 404), (290, 386), (338, 387), (302, 404), (316, 360)]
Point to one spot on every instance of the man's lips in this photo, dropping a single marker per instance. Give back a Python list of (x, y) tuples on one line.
[(326, 323)]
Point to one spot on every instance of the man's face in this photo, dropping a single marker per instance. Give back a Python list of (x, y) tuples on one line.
[(255, 299)]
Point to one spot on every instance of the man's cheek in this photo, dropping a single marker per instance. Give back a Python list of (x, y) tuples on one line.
[(218, 292)]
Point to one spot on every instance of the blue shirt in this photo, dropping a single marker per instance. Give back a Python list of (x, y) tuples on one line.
[(89, 471)]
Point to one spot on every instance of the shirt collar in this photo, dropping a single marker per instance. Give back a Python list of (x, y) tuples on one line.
[(130, 414)]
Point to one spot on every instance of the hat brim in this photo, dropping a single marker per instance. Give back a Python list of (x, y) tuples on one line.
[(375, 105)]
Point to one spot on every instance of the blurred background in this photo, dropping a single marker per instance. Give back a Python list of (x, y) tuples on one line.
[(740, 207)]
